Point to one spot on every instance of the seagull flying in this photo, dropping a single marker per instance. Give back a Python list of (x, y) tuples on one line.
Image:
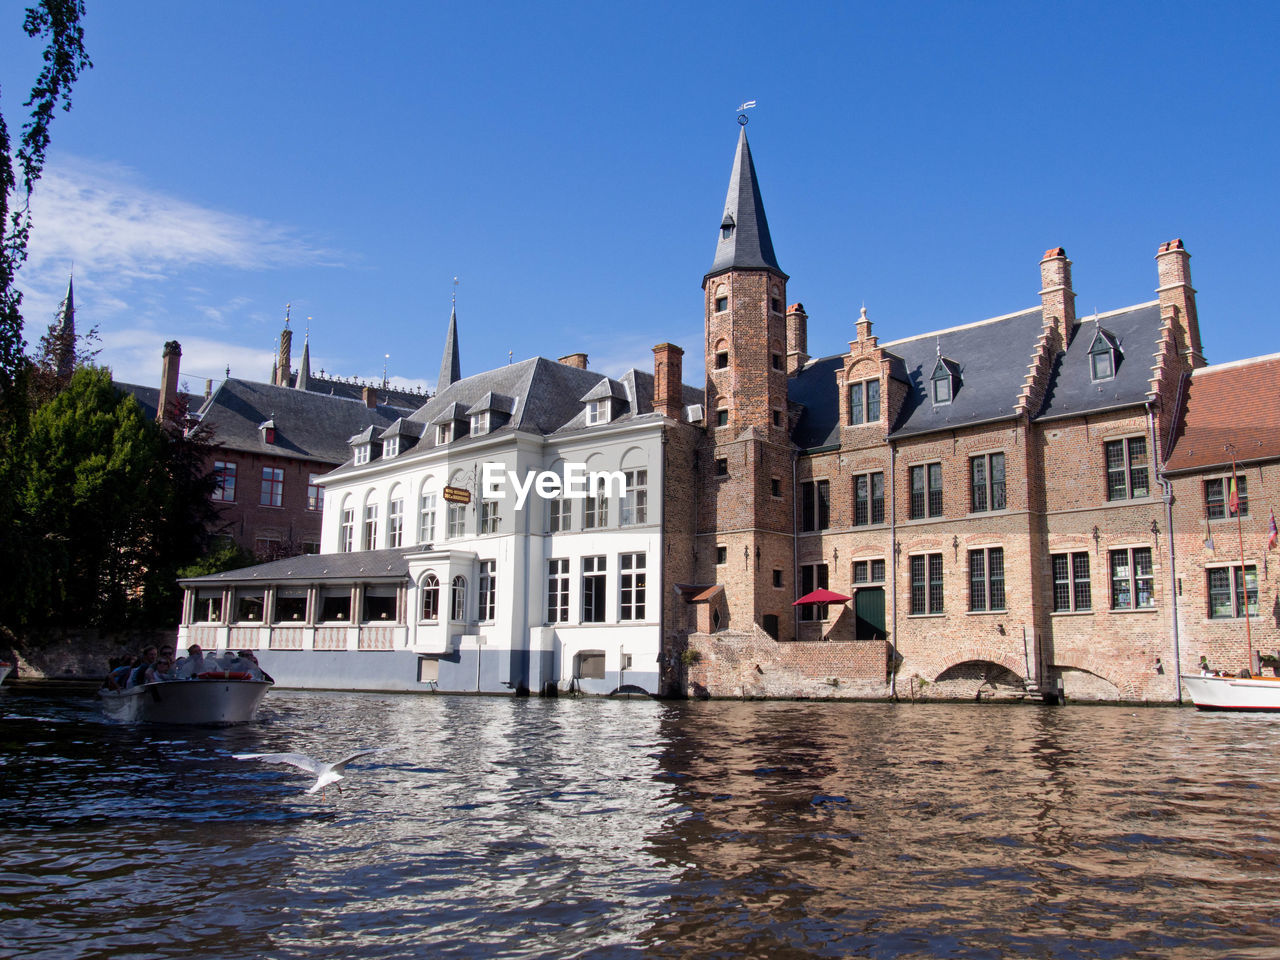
[(326, 773)]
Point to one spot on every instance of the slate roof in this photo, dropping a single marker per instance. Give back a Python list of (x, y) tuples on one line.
[(404, 400), (149, 397), (1235, 403), (992, 358), (749, 244), (544, 397), (1071, 388), (365, 564), (309, 426)]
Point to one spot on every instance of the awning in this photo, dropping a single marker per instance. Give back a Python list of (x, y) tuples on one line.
[(821, 595)]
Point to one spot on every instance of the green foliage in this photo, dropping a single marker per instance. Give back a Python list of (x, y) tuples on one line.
[(110, 505), (224, 554), (57, 22)]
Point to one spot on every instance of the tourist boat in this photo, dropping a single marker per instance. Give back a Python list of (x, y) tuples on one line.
[(1210, 692), (211, 699)]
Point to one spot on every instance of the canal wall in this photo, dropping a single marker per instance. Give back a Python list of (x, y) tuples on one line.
[(752, 664), (79, 654)]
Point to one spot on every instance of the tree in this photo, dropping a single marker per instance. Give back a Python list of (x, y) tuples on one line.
[(112, 505), (57, 22)]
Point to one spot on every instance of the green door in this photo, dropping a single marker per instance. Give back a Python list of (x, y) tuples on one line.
[(869, 607)]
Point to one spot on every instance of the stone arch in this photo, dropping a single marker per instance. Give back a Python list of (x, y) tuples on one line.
[(972, 678)]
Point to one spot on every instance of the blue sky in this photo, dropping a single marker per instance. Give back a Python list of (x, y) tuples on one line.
[(568, 163)]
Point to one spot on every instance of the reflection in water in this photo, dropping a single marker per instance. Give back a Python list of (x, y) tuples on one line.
[(593, 828)]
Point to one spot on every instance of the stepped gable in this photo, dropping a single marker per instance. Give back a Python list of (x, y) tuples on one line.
[(1236, 403), (990, 357), (1072, 391), (308, 426)]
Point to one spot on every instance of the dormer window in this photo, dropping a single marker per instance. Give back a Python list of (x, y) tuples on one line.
[(598, 411), (390, 448), (444, 433), (480, 423), (1103, 356), (726, 227), (268, 430), (362, 453), (943, 382)]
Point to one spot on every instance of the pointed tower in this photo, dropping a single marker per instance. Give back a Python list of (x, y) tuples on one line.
[(748, 452), (450, 365), (65, 335), (304, 369), (282, 372)]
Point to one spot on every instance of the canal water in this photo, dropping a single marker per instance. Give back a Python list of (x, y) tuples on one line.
[(595, 828)]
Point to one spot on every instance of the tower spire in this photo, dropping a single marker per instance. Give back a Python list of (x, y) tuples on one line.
[(304, 370), (65, 341), (450, 365), (744, 231)]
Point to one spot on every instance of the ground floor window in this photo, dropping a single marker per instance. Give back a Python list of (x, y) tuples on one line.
[(986, 579), (431, 597), (1071, 591), (813, 576), (488, 595), (926, 584), (593, 589), (589, 665), (557, 591), (631, 578), (1132, 579), (1229, 591)]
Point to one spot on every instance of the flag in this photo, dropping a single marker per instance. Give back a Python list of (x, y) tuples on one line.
[(1234, 501), (1271, 540), (748, 105)]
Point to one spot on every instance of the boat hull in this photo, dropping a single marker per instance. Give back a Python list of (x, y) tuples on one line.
[(215, 703), (4, 670), (1234, 693)]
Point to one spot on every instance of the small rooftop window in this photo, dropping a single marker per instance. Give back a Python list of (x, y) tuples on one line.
[(1104, 354), (726, 227), (943, 382), (598, 411)]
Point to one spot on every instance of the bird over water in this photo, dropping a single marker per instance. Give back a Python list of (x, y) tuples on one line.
[(325, 773)]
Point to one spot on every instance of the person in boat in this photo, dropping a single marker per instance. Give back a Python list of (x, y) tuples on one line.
[(255, 670), (162, 669), (1204, 666), (192, 664), (118, 670), (138, 675)]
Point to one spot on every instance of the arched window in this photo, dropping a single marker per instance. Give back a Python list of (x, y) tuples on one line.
[(458, 607), (431, 597)]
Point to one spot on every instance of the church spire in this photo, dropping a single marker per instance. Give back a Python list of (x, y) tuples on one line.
[(304, 370), (450, 365), (744, 231), (65, 339)]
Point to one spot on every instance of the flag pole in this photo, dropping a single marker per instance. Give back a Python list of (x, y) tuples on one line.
[(1244, 582)]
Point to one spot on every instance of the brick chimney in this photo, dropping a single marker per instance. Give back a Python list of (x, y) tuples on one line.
[(1057, 299), (1178, 300), (668, 388), (578, 360), (797, 338), (370, 397), (166, 406)]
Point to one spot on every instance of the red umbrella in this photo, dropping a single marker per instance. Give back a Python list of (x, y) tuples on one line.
[(821, 595)]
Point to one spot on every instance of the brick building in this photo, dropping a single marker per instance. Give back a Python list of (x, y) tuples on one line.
[(993, 497), (273, 441), (1031, 504)]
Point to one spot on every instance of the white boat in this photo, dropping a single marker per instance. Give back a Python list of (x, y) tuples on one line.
[(5, 667), (1210, 692), (204, 701)]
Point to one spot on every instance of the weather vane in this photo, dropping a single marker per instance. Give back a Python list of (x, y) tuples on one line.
[(742, 112), (454, 300)]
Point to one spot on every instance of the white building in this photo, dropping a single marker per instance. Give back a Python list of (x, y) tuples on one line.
[(545, 577)]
